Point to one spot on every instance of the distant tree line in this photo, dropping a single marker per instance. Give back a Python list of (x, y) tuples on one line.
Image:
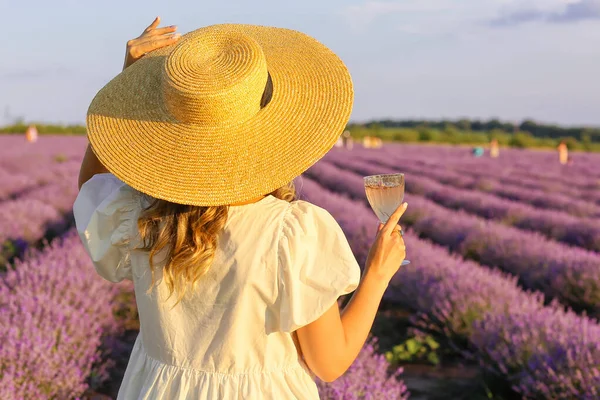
[(528, 134), (591, 134), (45, 129), (464, 131), (534, 129)]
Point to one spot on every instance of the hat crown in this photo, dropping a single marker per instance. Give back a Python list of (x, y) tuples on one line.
[(215, 78)]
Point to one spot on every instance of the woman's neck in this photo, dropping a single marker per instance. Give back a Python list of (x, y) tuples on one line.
[(249, 201)]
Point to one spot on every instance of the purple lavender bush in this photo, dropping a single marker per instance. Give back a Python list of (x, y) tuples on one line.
[(53, 316), (14, 184), (42, 211), (30, 218), (18, 156), (553, 354), (27, 219), (60, 195)]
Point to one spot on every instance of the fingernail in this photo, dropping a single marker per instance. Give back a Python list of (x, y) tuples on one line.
[(173, 26)]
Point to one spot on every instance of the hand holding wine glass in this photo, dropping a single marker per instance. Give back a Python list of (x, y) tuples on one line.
[(386, 194), (388, 251)]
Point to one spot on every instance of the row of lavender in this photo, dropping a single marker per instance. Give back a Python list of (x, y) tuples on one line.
[(541, 351), (566, 273), (588, 189), (558, 225), (38, 189), (513, 174), (501, 175), (18, 155), (25, 166), (40, 211), (541, 165), (54, 316), (16, 184), (494, 181)]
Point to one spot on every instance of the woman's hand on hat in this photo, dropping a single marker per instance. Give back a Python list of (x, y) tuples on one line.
[(151, 39)]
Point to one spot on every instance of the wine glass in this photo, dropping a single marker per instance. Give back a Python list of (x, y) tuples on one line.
[(385, 194)]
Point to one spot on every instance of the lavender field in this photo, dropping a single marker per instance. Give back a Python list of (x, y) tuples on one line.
[(504, 284)]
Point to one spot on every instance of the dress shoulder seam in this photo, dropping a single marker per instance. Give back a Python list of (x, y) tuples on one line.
[(280, 230)]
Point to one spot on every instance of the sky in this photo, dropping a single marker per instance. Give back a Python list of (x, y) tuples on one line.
[(432, 59)]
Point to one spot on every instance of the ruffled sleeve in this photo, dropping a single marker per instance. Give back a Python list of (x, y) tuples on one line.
[(105, 214), (316, 265)]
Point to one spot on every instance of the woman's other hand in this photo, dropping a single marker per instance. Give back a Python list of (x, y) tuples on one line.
[(151, 39)]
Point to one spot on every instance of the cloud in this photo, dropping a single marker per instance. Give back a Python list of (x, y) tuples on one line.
[(571, 12), (585, 9), (518, 17)]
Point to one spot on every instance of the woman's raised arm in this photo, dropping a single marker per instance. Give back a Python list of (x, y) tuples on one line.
[(151, 39)]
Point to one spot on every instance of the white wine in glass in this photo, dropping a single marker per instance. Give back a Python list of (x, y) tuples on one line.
[(385, 194)]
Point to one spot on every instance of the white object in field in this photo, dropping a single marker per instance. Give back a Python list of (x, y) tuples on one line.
[(563, 153), (347, 140), (563, 157), (31, 134), (340, 142), (494, 149), (349, 144), (370, 142)]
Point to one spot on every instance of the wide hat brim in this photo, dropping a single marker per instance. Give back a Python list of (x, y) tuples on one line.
[(140, 142)]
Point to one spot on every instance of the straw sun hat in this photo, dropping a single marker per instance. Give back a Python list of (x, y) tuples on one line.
[(227, 114)]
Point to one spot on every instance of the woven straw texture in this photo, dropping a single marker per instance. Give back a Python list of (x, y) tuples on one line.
[(185, 122)]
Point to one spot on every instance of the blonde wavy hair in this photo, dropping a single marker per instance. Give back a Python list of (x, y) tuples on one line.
[(189, 236)]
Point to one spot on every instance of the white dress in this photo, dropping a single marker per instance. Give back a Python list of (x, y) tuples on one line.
[(278, 267)]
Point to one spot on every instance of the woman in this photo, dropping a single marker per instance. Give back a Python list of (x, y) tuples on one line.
[(186, 190)]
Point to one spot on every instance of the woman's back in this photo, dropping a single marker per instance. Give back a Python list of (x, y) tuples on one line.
[(230, 310)]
